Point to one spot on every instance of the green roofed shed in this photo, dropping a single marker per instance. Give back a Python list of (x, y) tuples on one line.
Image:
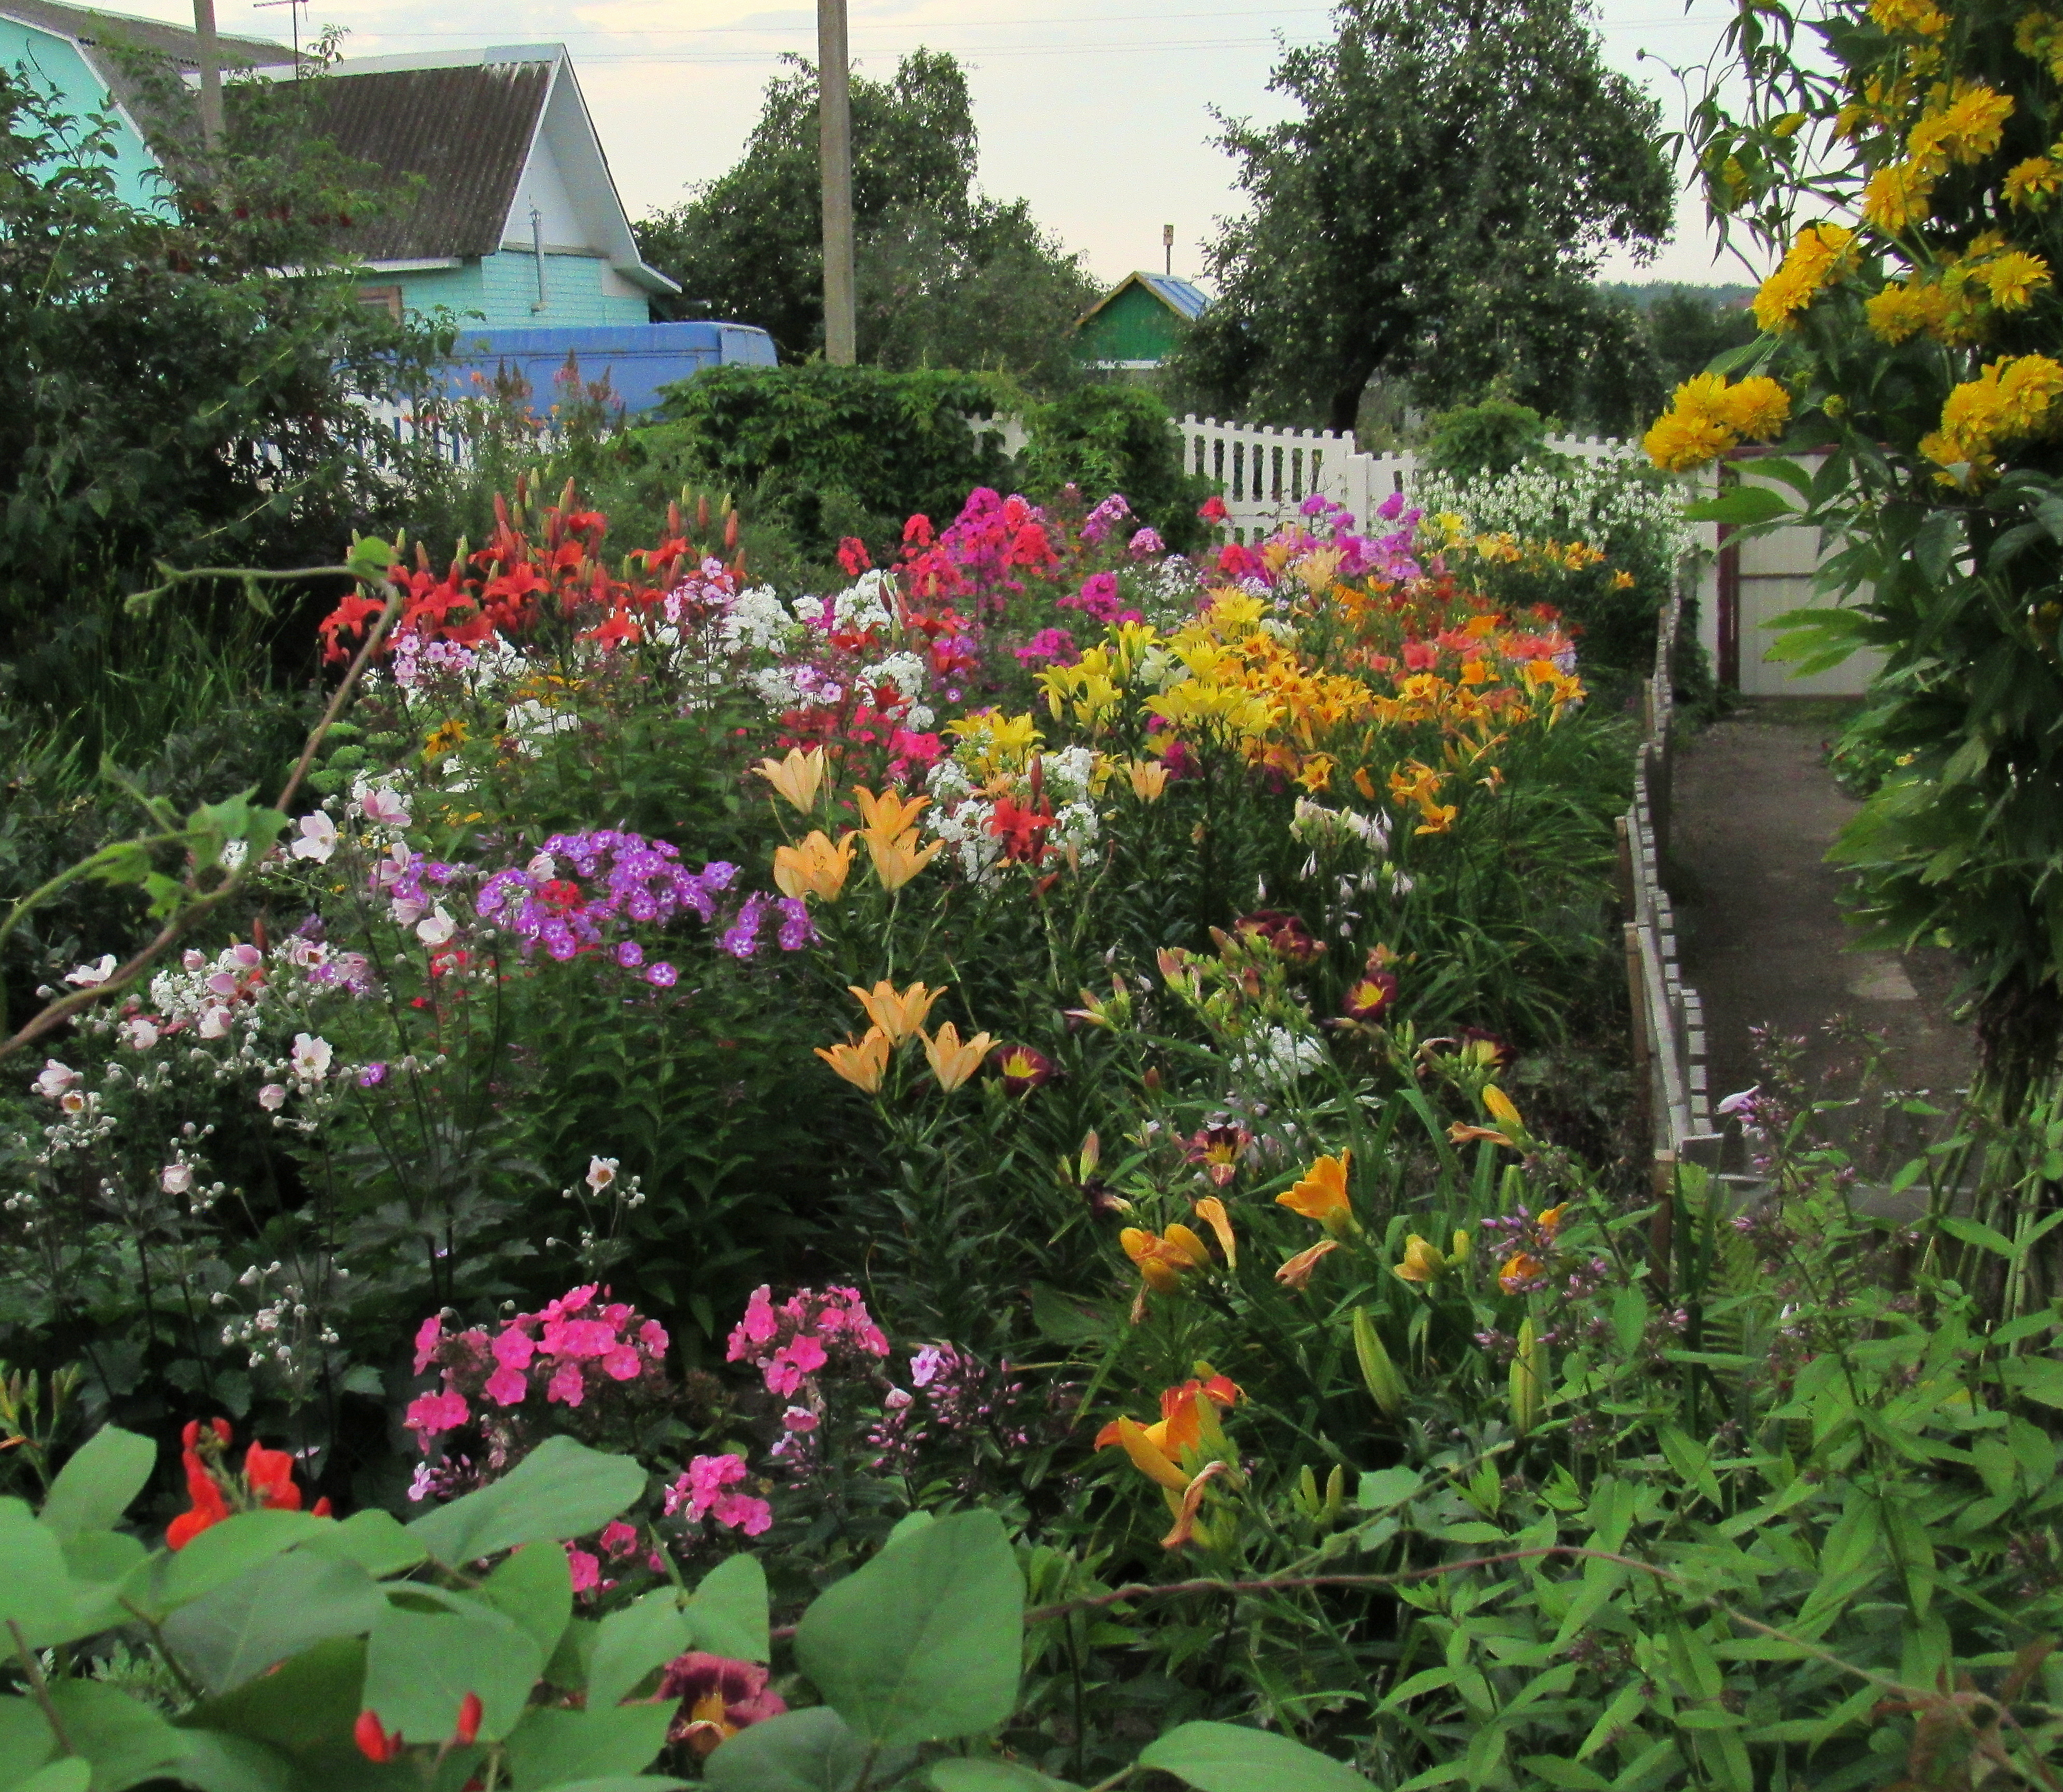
[(1134, 326)]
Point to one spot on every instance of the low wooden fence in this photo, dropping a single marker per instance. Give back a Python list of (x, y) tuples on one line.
[(1668, 1017)]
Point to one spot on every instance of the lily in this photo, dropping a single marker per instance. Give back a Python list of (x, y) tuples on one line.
[(952, 1059), (887, 816), (899, 860), (1321, 1195), (900, 1014), (798, 778), (816, 867), (862, 1062)]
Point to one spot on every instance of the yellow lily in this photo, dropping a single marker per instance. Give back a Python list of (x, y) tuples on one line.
[(862, 1062), (1149, 778), (816, 867), (952, 1059), (797, 778), (1211, 1212), (886, 815), (896, 861), (1163, 1260), (900, 1014), (1422, 1264), (1321, 1195), (1510, 1129)]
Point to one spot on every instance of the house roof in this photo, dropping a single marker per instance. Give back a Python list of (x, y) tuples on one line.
[(99, 33), (1185, 300), (466, 132)]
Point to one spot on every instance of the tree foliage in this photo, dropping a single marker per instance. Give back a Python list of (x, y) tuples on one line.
[(182, 382), (946, 277), (1436, 209)]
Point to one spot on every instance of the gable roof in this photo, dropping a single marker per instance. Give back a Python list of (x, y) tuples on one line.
[(1185, 300), (465, 132), (100, 34)]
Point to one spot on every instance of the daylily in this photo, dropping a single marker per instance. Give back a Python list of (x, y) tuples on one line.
[(1550, 1222), (1219, 1150), (1369, 997), (889, 815), (797, 778), (1021, 1069), (1423, 1264), (1510, 1130), (862, 1062), (816, 867), (1321, 1195), (900, 1014), (897, 860), (952, 1059), (1211, 1212), (1297, 1271), (1163, 1260), (1188, 1422)]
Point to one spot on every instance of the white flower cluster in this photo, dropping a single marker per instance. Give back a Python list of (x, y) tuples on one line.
[(868, 604), (1278, 1058), (758, 622), (1314, 825), (1167, 591), (283, 1331), (963, 812), (911, 677), (1596, 501), (960, 816)]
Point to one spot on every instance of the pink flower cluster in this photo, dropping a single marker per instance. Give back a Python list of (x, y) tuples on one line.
[(573, 1347), (791, 1343), (703, 1490)]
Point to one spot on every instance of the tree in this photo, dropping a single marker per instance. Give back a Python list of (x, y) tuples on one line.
[(1436, 210), (946, 276)]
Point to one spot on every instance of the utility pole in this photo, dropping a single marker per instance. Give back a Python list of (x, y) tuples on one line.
[(834, 154), (211, 75)]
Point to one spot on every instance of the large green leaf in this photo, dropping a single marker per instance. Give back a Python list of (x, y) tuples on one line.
[(93, 1489), (218, 1556), (557, 1748), (420, 1666), (805, 1751), (729, 1610), (1743, 506), (306, 1709), (26, 1741), (535, 1587), (373, 1539), (74, 1774), (1228, 1757), (35, 1589), (993, 1776), (562, 1489), (126, 1741), (924, 1642), (216, 1762), (279, 1608), (633, 1641)]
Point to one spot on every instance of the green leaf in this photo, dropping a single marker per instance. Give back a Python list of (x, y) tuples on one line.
[(126, 1741), (373, 1539), (26, 1741), (93, 1489), (993, 1776), (1971, 1231), (2036, 1378), (1743, 506), (729, 1610), (71, 1774), (1558, 1772), (805, 1751), (279, 1608), (535, 1587), (1067, 1318), (924, 1642), (306, 1709), (623, 1782), (218, 1556), (553, 1748), (35, 1588), (1230, 1757), (633, 1641), (1389, 1487), (562, 1489), (216, 1762), (420, 1666)]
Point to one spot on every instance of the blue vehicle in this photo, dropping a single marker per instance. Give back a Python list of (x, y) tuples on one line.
[(638, 358)]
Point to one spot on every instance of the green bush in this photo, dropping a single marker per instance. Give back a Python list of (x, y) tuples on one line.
[(1484, 440), (1116, 438)]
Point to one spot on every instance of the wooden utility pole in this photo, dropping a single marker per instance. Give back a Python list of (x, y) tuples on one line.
[(211, 75), (834, 153)]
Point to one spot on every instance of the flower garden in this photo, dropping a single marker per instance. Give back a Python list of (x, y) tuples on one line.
[(1013, 1175)]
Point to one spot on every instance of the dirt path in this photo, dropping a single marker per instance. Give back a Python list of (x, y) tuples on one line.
[(1761, 934)]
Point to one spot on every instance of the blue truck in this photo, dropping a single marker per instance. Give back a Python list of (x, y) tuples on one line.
[(638, 358)]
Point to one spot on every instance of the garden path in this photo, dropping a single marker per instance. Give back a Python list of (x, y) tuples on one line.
[(1761, 933)]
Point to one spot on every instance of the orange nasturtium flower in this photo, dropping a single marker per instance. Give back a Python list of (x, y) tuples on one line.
[(862, 1062), (798, 777), (1163, 1260), (814, 868), (1321, 1195), (952, 1059), (900, 1014)]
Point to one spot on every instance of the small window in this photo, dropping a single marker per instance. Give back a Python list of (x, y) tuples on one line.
[(382, 298)]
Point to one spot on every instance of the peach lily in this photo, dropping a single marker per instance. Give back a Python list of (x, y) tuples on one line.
[(901, 1014), (952, 1059), (862, 1062), (1297, 1272), (798, 778), (1163, 1260), (816, 867)]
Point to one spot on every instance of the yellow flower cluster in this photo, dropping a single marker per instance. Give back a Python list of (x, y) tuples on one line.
[(2031, 184), (1708, 417), (2040, 34), (1960, 125), (1954, 305), (1908, 18), (2013, 398), (1817, 254)]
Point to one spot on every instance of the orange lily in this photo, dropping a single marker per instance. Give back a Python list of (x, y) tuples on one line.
[(1211, 1212), (1423, 1263), (862, 1062), (1184, 1530), (1321, 1195), (888, 814), (897, 860), (952, 1059), (1510, 1129), (1297, 1271), (798, 777), (1189, 1420), (900, 1014), (1149, 778), (1164, 1259), (816, 867)]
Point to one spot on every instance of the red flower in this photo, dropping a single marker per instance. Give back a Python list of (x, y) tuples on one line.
[(852, 555), (349, 618), (1370, 996), (470, 1711), (269, 1474), (375, 1743), (1212, 509), (718, 1698), (209, 1506), (1286, 933), (1022, 831), (1021, 1069)]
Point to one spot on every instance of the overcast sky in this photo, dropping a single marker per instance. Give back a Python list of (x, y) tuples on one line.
[(1100, 117)]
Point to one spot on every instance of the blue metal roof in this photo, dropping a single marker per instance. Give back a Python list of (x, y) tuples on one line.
[(1177, 295)]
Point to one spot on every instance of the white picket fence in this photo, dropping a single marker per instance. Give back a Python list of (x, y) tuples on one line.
[(1265, 475)]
